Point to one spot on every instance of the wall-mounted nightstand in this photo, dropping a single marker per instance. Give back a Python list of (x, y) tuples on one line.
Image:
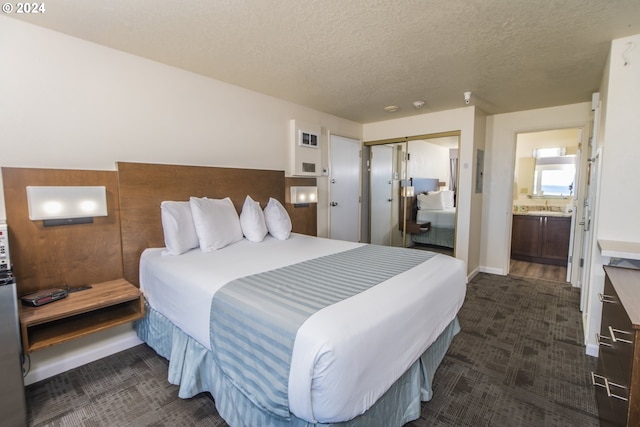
[(418, 227), (105, 305)]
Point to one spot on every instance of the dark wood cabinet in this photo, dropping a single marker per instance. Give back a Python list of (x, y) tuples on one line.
[(525, 236), (617, 380), (542, 239)]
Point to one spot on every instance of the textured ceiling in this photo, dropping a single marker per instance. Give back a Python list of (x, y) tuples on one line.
[(352, 58)]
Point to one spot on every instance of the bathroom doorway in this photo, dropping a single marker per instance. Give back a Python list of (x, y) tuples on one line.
[(545, 203)]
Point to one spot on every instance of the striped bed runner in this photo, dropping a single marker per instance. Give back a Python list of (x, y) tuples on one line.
[(254, 319)]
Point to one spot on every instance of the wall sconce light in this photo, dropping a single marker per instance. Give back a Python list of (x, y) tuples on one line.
[(408, 191), (66, 205), (302, 196)]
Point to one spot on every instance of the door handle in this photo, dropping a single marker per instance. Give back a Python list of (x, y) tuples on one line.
[(334, 203), (333, 181)]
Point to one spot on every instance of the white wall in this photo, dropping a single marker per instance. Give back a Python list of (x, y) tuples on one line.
[(619, 201), (68, 103), (616, 216), (428, 160), (501, 134), (463, 120), (477, 199)]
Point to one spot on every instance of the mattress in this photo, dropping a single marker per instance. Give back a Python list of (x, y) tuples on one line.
[(439, 218), (346, 355)]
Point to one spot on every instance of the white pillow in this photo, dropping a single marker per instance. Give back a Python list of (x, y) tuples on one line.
[(430, 201), (447, 199), (178, 228), (252, 221), (216, 221), (277, 220)]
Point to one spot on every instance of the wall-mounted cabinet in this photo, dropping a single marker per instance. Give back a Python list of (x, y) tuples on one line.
[(542, 239)]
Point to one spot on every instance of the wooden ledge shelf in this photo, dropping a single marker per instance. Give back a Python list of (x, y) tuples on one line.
[(104, 306), (417, 227)]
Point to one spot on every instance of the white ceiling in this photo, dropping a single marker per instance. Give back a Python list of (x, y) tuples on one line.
[(351, 58)]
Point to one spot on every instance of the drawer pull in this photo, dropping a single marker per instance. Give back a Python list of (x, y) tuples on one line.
[(600, 377), (613, 333), (599, 339), (617, 396), (606, 384), (607, 298)]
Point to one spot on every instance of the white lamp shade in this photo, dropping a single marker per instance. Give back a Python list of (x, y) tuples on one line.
[(301, 195), (66, 202)]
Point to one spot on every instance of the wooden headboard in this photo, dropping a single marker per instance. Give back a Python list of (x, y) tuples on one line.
[(144, 186), (422, 185), (74, 255)]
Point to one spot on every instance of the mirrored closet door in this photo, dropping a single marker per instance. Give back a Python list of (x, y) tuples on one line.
[(413, 191)]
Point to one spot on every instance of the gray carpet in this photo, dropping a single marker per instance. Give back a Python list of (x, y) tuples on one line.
[(518, 361)]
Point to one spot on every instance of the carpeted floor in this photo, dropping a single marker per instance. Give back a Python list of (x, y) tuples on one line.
[(518, 361)]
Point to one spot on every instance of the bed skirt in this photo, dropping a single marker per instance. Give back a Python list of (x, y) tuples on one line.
[(193, 369), (436, 236)]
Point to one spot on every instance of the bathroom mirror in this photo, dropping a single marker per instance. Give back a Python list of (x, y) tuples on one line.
[(546, 164)]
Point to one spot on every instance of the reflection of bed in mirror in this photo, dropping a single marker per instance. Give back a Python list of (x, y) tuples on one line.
[(436, 206)]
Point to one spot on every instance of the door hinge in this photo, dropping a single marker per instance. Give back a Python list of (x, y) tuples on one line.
[(581, 262)]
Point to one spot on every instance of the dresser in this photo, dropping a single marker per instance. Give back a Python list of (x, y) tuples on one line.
[(617, 380)]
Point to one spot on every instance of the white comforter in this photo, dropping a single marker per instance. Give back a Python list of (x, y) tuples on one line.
[(439, 218), (346, 355)]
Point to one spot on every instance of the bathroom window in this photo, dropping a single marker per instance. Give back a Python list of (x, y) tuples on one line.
[(554, 176)]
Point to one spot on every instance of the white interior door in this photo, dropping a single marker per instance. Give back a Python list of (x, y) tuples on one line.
[(573, 238), (587, 213), (381, 194), (344, 189)]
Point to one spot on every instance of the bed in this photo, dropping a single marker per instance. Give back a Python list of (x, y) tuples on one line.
[(438, 209), (366, 358)]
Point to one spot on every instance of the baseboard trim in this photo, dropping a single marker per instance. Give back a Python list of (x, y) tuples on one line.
[(55, 363), (491, 270), (471, 275)]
